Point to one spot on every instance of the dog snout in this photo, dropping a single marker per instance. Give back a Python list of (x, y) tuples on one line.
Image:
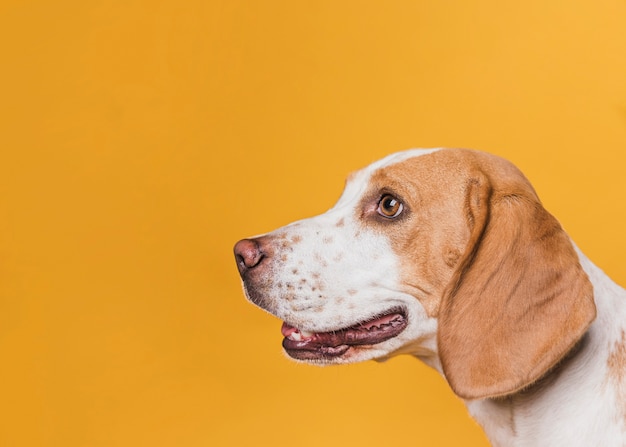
[(249, 255)]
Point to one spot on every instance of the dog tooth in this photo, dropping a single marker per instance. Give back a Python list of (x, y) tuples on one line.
[(306, 334), (295, 336)]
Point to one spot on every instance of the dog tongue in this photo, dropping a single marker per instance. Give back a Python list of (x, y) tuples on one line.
[(336, 342)]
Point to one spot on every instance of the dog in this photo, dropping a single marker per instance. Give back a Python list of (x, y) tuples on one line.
[(448, 255)]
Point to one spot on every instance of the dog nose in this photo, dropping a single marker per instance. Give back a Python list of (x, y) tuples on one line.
[(248, 254)]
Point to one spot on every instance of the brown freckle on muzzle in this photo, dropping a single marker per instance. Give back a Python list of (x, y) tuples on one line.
[(320, 260), (340, 223), (285, 245)]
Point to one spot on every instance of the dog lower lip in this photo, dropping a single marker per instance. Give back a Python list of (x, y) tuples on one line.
[(336, 343)]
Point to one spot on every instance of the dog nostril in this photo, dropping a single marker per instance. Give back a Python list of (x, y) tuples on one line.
[(241, 262), (248, 254)]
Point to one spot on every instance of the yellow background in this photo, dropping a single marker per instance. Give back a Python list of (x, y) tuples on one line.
[(141, 139)]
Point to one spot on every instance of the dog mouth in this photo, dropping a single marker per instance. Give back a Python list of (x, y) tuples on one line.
[(303, 345)]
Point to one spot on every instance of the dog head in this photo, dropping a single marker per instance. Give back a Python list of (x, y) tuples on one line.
[(444, 254)]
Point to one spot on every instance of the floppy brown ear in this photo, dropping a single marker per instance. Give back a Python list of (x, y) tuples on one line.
[(520, 299)]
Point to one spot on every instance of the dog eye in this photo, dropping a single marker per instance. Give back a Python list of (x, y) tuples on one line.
[(389, 206)]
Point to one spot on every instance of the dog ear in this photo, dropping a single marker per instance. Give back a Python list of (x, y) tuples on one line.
[(519, 300)]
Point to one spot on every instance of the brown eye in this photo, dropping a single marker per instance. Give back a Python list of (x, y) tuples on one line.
[(389, 206)]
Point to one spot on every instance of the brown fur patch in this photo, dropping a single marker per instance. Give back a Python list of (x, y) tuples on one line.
[(616, 364), (432, 232), (617, 359)]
